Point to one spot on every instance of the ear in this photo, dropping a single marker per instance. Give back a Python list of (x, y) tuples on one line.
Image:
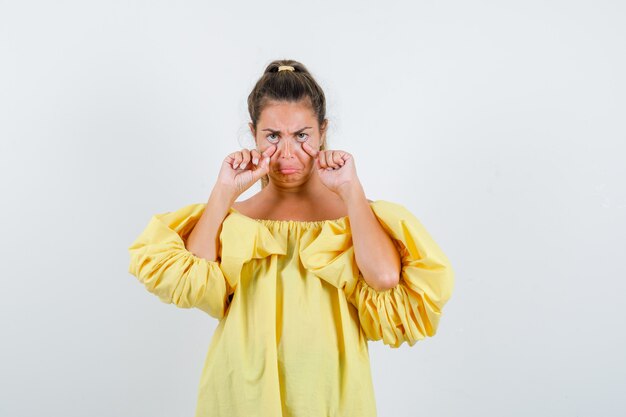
[(323, 129), (251, 125)]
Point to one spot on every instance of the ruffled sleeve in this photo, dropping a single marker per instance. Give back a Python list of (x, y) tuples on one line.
[(412, 309), (159, 259), (406, 313)]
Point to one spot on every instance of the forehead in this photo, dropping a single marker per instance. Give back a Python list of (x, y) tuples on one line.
[(287, 115)]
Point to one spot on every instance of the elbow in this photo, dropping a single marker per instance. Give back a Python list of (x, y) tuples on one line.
[(383, 278), (391, 278), (392, 281), (387, 282)]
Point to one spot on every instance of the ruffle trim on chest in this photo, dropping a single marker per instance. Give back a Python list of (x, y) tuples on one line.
[(324, 247), (406, 313)]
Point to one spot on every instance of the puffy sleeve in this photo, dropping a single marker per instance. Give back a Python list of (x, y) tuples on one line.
[(160, 260), (411, 310)]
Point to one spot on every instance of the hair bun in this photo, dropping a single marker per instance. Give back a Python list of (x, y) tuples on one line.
[(285, 68)]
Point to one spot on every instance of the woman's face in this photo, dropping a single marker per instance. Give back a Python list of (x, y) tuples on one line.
[(287, 125)]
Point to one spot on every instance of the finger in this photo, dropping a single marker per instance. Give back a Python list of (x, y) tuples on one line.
[(246, 178), (321, 156), (229, 159), (237, 159), (261, 169), (338, 158), (256, 156), (330, 159), (309, 149), (245, 158)]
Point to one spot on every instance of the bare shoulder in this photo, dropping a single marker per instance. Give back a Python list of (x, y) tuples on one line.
[(243, 204), (248, 207)]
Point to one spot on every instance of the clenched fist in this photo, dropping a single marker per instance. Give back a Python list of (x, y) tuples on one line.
[(243, 168), (335, 168)]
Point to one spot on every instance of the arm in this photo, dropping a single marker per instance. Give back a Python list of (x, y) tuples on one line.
[(203, 241), (160, 260), (376, 255)]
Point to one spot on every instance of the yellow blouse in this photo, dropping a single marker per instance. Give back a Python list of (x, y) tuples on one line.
[(294, 311)]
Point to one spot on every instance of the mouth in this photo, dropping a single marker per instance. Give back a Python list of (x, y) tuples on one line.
[(288, 170)]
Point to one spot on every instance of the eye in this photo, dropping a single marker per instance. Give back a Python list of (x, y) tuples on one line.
[(270, 140), (301, 137)]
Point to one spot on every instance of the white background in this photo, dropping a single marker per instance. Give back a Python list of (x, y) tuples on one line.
[(500, 125)]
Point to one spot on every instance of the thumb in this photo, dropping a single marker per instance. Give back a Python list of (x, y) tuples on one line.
[(269, 151), (261, 169), (310, 150)]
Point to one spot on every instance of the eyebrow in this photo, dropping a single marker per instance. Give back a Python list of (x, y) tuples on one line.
[(278, 131)]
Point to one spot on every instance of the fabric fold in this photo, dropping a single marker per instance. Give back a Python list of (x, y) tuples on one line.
[(406, 313), (329, 253), (243, 239), (160, 260), (412, 309)]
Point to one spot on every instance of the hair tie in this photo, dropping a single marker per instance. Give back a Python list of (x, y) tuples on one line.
[(285, 67)]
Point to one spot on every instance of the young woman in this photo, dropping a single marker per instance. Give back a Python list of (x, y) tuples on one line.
[(300, 275)]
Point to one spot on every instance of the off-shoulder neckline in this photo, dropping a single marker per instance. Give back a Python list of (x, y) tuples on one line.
[(302, 223)]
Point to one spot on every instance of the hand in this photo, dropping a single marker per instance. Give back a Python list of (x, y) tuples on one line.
[(335, 168), (243, 168)]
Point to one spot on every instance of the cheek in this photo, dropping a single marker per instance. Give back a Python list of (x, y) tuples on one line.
[(263, 147), (309, 162)]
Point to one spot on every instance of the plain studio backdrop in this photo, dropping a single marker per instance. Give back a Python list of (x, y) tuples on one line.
[(500, 125)]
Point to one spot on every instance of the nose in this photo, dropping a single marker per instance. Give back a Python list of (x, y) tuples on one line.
[(286, 148)]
